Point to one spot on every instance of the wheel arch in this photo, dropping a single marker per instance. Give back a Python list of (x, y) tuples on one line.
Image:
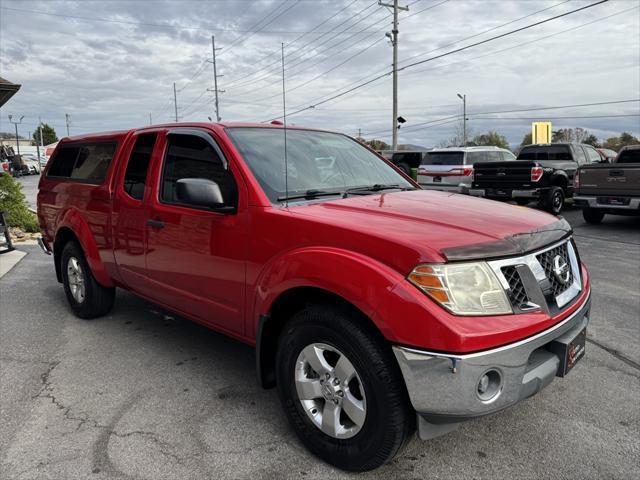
[(288, 303), (73, 227)]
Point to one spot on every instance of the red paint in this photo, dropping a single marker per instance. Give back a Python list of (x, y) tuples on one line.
[(226, 270)]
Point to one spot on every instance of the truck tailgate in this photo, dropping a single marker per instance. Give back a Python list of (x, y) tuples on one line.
[(503, 174), (615, 179)]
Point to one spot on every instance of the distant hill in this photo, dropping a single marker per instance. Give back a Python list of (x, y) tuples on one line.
[(410, 146)]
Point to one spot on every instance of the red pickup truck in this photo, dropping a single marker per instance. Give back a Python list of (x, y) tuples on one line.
[(375, 307)]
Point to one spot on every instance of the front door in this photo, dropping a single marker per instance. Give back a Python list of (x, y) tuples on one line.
[(195, 257)]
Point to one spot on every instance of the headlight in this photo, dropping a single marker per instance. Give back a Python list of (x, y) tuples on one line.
[(462, 288)]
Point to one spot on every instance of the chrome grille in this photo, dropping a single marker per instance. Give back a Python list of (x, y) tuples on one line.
[(517, 294), (546, 260), (530, 282)]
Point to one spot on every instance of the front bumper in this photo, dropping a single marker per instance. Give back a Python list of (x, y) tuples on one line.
[(443, 388)]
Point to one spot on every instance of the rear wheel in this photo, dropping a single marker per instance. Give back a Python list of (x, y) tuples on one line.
[(341, 389), (592, 215), (404, 167), (554, 200), (87, 298)]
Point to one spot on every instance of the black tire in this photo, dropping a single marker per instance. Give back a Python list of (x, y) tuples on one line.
[(389, 420), (592, 215), (554, 200), (98, 300), (523, 202), (404, 167)]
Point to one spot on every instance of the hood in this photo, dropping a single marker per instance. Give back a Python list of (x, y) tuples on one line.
[(432, 226)]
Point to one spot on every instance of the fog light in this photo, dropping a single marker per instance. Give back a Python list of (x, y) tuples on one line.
[(489, 386)]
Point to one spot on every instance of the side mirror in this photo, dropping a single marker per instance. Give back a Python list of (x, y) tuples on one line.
[(201, 192)]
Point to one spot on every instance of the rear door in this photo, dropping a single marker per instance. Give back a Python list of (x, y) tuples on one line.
[(195, 258), (130, 209)]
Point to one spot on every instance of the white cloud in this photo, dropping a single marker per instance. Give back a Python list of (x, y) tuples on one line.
[(110, 75)]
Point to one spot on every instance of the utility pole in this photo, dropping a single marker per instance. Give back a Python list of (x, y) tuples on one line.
[(215, 77), (464, 118), (67, 119), (16, 125), (40, 133), (150, 119), (359, 133), (394, 43), (175, 101)]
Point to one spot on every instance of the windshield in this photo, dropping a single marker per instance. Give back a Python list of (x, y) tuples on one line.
[(319, 161), (546, 153), (443, 158)]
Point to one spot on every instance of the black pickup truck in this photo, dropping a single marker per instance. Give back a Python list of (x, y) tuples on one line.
[(543, 173)]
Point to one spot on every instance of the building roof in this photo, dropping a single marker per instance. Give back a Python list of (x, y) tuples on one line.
[(7, 90)]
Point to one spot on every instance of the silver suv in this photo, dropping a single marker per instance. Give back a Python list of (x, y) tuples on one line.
[(451, 169)]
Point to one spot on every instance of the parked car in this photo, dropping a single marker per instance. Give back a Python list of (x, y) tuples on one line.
[(607, 154), (407, 160), (374, 306), (543, 173), (32, 163), (612, 189), (451, 168)]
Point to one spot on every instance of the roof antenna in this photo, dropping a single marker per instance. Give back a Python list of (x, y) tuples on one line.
[(284, 117)]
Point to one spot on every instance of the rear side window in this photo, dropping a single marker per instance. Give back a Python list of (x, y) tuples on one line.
[(87, 162), (443, 158), (629, 156), (547, 152), (63, 162), (135, 177), (507, 156)]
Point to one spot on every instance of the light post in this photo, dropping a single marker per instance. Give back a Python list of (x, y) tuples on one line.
[(16, 125), (464, 118)]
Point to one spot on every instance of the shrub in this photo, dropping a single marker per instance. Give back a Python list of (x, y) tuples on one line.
[(14, 205)]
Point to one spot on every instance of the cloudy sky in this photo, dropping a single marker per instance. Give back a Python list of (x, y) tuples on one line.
[(110, 64)]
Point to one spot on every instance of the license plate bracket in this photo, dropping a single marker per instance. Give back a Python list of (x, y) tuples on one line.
[(570, 350)]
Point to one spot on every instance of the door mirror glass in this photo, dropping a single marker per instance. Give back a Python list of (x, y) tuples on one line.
[(199, 192)]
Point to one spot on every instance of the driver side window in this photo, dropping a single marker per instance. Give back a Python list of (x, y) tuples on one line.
[(190, 156)]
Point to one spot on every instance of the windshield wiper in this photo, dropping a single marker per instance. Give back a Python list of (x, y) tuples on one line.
[(374, 188), (308, 195)]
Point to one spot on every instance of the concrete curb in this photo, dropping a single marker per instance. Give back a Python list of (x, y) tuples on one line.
[(9, 260)]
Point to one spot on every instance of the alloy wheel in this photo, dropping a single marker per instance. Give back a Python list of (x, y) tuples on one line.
[(330, 390), (75, 275)]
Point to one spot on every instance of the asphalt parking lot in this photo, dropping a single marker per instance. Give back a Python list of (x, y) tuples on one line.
[(140, 394)]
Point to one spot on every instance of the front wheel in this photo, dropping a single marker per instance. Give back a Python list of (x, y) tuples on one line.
[(341, 389), (87, 298)]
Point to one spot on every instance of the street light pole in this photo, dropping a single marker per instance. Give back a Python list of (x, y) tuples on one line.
[(464, 118), (16, 125)]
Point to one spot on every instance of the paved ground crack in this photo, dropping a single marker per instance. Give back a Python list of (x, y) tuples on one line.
[(615, 353)]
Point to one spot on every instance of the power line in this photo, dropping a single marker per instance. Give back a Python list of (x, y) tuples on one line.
[(502, 35), (272, 71), (520, 110), (242, 39), (484, 31), (296, 39), (208, 28), (378, 77)]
